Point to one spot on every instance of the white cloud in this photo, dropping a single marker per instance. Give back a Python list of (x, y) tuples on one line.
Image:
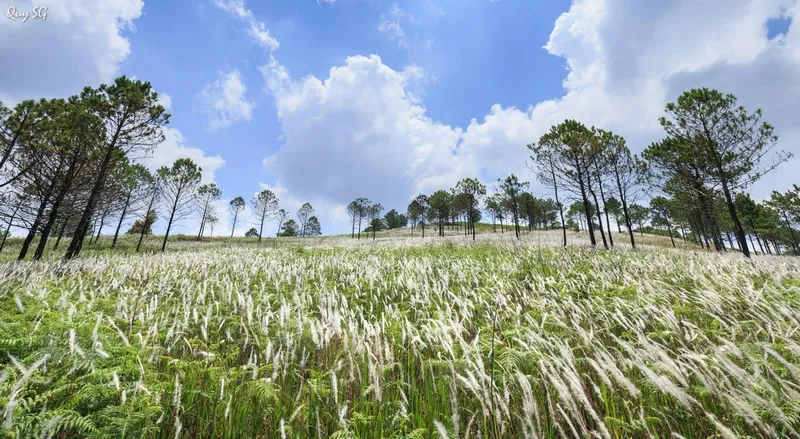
[(255, 28), (224, 101), (361, 132), (392, 24), (79, 43), (175, 147), (165, 101), (358, 132)]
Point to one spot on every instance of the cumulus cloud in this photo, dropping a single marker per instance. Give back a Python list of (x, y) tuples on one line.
[(79, 43), (175, 147), (354, 130), (362, 132), (224, 101)]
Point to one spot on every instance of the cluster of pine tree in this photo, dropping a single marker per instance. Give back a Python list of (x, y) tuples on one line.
[(68, 168), (696, 179)]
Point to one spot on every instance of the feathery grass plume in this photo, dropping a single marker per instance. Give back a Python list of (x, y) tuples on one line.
[(380, 340)]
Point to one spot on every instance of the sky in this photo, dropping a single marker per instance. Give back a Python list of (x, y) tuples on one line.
[(329, 100)]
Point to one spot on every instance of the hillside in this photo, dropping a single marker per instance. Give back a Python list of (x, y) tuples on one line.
[(400, 337)]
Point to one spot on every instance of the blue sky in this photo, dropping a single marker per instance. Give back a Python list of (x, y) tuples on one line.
[(330, 100), (180, 46)]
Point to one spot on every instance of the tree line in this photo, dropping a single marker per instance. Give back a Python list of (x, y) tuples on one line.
[(696, 179), (68, 168)]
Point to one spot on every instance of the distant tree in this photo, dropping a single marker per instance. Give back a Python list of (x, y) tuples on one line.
[(395, 220), (511, 189), (353, 211), (772, 231), (577, 213), (660, 210), (614, 207), (206, 194), (787, 208), (213, 211), (377, 225), (414, 212), (494, 204), (151, 193), (212, 220), (491, 207), (439, 203), (289, 229), (305, 212), (264, 204), (527, 209), (237, 205), (421, 205), (134, 183), (374, 214), (179, 190), (639, 215), (472, 193), (18, 202), (252, 233), (627, 173), (313, 228), (361, 206), (147, 224), (281, 215), (571, 150), (544, 154)]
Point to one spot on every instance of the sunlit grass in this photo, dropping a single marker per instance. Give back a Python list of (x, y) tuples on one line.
[(400, 337)]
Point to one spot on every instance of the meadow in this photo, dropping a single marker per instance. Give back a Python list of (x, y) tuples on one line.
[(401, 338)]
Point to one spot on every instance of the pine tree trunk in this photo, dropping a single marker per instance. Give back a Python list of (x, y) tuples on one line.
[(795, 245), (586, 206), (739, 232), (669, 230), (10, 223), (757, 238), (100, 229), (203, 220), (233, 227), (558, 202), (36, 222), (144, 221), (60, 234), (624, 202), (169, 223), (605, 209), (121, 218), (79, 235), (280, 223), (599, 218)]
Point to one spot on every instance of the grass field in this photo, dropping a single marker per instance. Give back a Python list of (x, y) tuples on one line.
[(400, 338)]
